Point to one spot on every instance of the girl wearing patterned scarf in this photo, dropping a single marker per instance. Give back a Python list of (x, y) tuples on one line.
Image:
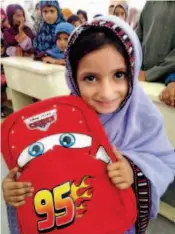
[(18, 38), (46, 38), (103, 61)]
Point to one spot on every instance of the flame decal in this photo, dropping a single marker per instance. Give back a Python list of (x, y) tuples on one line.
[(81, 194)]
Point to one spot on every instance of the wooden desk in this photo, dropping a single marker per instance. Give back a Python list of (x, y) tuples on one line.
[(27, 78)]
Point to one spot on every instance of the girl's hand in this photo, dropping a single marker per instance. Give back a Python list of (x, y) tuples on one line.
[(120, 172), (48, 60), (21, 26), (19, 52), (168, 95), (15, 192)]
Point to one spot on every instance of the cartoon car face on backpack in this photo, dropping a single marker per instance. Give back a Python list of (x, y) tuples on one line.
[(62, 149)]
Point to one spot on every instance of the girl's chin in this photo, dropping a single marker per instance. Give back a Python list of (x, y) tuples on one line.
[(105, 110)]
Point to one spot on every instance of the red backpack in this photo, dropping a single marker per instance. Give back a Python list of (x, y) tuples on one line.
[(61, 147)]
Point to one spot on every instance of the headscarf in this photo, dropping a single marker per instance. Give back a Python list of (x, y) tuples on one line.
[(10, 34), (3, 14), (124, 6), (136, 129), (133, 17), (66, 13), (46, 39), (84, 13), (61, 28)]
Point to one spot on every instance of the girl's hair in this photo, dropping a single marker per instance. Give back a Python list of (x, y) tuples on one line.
[(94, 39), (84, 13), (73, 18)]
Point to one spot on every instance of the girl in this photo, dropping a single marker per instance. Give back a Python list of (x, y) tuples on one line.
[(103, 60), (74, 20), (121, 10), (5, 111), (46, 39), (37, 18), (19, 37), (83, 16), (4, 21), (66, 13), (56, 55)]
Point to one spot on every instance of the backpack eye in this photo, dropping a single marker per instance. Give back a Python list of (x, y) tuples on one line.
[(67, 140), (36, 149)]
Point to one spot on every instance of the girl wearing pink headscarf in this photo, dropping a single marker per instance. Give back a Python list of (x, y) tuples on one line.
[(4, 20)]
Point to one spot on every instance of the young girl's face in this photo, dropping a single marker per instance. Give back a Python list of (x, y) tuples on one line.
[(102, 79), (76, 23), (50, 14), (38, 11), (120, 12), (62, 40), (82, 18), (18, 17), (111, 10)]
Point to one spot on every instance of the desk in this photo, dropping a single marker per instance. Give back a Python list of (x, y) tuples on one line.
[(27, 78)]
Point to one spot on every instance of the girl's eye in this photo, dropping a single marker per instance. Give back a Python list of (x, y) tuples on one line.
[(36, 149), (120, 75), (67, 140), (90, 78)]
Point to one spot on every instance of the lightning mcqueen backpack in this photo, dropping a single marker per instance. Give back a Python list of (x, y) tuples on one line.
[(61, 147)]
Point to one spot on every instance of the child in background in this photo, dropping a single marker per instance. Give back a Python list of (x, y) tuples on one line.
[(121, 10), (4, 21), (103, 61), (56, 55), (5, 111), (111, 10), (46, 39), (83, 16), (37, 18), (18, 39), (66, 13), (74, 20)]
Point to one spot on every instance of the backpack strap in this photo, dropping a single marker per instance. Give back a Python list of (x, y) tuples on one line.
[(142, 191)]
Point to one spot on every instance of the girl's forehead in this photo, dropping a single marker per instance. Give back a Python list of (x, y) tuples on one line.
[(62, 35), (19, 12), (96, 61), (48, 8)]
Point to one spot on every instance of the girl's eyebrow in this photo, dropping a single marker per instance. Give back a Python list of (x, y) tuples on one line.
[(119, 69), (90, 73)]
